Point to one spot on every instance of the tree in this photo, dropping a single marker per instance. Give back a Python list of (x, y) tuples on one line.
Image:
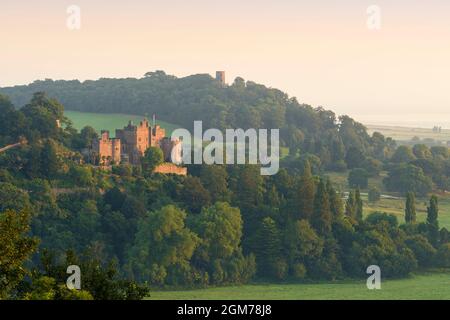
[(443, 255), (301, 243), (432, 221), (359, 205), (214, 178), (85, 138), (305, 193), (322, 217), (336, 204), (410, 208), (115, 198), (354, 158), (440, 151), (268, 251), (358, 178), (403, 154), (16, 248), (404, 178), (12, 122), (13, 198), (350, 205), (49, 160), (162, 245), (100, 281), (220, 230), (444, 235), (44, 116), (374, 194), (422, 249), (81, 176), (47, 288), (421, 151), (373, 167), (152, 158), (194, 195)]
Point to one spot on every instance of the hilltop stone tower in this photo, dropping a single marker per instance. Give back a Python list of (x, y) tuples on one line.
[(220, 76)]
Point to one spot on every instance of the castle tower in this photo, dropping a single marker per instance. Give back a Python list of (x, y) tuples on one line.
[(107, 149), (156, 134), (135, 140), (220, 76)]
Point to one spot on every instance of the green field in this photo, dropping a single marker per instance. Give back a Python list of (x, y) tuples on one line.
[(109, 121), (423, 286), (396, 204), (403, 134)]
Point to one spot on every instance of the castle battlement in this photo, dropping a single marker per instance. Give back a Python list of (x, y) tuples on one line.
[(131, 142)]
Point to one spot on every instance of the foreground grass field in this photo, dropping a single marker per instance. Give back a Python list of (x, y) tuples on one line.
[(109, 121), (431, 286)]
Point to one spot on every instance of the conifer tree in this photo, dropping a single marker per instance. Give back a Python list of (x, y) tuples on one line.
[(410, 208), (350, 205), (432, 221), (49, 160), (336, 205), (305, 195), (268, 247), (322, 216), (358, 205)]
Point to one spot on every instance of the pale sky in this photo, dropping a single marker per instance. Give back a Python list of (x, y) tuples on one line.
[(320, 51)]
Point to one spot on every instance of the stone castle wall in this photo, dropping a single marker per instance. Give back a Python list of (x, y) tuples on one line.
[(130, 145), (170, 168)]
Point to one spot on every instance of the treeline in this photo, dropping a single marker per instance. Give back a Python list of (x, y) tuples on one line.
[(419, 169), (339, 143)]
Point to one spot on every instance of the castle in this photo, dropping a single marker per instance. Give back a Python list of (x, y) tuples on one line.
[(220, 76), (130, 144)]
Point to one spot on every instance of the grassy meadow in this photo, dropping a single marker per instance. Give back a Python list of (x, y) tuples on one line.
[(406, 134), (428, 286), (110, 121), (394, 203)]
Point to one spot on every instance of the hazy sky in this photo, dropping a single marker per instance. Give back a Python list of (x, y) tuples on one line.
[(319, 51)]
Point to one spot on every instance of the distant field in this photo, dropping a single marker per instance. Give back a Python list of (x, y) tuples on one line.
[(397, 207), (423, 286), (406, 134), (394, 206), (109, 121)]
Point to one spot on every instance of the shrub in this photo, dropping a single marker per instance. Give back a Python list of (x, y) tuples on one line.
[(374, 194)]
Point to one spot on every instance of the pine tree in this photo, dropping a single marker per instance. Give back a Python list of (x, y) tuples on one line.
[(358, 205), (336, 205), (322, 216), (410, 208), (305, 195), (268, 247), (33, 164), (49, 160), (350, 205), (432, 221)]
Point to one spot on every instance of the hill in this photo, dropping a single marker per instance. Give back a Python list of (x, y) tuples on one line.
[(243, 104)]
